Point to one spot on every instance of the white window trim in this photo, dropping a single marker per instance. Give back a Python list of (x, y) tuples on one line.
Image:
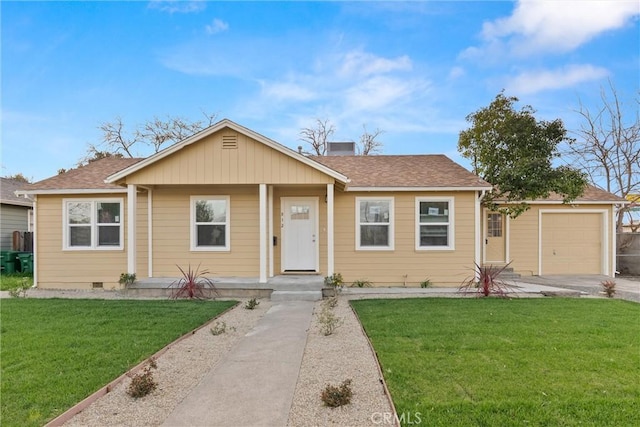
[(193, 228), (390, 247), (451, 236), (94, 225)]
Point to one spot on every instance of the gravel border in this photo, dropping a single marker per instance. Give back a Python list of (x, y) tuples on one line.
[(178, 371), (345, 354)]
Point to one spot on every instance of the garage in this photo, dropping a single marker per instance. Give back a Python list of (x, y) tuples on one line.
[(572, 242)]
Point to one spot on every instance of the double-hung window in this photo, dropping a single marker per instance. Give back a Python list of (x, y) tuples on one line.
[(93, 224), (210, 223), (374, 223), (434, 223)]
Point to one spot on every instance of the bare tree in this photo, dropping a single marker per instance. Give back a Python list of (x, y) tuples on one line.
[(368, 144), (607, 148), (318, 137), (153, 135)]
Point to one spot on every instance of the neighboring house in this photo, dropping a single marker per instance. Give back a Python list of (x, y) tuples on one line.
[(16, 213), (239, 204)]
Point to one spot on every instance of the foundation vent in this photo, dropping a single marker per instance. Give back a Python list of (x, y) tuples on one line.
[(229, 142), (97, 285)]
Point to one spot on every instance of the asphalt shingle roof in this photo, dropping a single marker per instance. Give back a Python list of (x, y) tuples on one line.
[(8, 189), (428, 170)]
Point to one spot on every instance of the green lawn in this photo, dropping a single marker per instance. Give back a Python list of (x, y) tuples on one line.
[(15, 280), (56, 352), (496, 362)]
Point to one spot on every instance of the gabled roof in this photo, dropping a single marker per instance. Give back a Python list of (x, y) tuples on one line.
[(225, 123), (88, 178), (8, 188), (404, 172)]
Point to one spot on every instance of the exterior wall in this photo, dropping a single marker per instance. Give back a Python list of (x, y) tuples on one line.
[(78, 269), (12, 218), (524, 241), (172, 233), (405, 264), (207, 162)]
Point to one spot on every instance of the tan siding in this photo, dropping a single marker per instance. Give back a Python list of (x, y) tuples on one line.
[(206, 162), (72, 269), (171, 233), (142, 237), (388, 268)]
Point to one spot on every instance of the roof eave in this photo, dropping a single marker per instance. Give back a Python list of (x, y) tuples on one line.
[(114, 178), (71, 191), (388, 189)]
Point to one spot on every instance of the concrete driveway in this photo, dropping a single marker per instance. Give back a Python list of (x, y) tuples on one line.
[(626, 288)]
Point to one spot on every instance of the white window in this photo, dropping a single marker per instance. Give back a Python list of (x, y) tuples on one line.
[(434, 223), (374, 223), (93, 224), (210, 223)]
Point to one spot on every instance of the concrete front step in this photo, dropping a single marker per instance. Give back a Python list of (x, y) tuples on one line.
[(296, 295)]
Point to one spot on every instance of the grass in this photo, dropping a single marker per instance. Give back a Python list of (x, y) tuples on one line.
[(56, 352), (489, 362), (15, 280)]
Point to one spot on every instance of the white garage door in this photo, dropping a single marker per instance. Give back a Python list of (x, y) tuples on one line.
[(572, 243)]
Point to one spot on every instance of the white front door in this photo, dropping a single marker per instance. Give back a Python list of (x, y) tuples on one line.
[(300, 234)]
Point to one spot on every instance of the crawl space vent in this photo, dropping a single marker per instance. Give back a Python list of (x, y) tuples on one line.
[(97, 285), (229, 142)]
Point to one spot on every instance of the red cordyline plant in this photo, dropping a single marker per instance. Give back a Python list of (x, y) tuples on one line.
[(193, 284), (486, 282)]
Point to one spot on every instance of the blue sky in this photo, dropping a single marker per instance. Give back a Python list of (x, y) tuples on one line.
[(414, 70)]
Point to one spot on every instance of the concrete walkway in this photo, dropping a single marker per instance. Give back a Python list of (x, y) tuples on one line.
[(254, 384)]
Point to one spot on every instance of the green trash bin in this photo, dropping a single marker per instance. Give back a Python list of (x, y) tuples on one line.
[(26, 262), (9, 262)]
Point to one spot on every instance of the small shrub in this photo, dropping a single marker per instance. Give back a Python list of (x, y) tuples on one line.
[(426, 283), (609, 287), (328, 321), (334, 281), (21, 290), (251, 304), (361, 284), (331, 302), (334, 396), (486, 282), (127, 279), (143, 383), (193, 284), (218, 328)]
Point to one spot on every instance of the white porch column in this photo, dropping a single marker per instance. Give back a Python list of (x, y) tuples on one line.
[(270, 226), (132, 201), (263, 233), (150, 230), (330, 257), (478, 233)]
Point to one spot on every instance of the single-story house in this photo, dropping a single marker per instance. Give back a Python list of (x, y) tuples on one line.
[(242, 205), (16, 213)]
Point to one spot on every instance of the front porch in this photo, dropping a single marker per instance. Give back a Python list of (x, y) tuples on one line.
[(277, 288)]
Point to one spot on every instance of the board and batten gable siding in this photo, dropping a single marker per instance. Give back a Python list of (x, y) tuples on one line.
[(209, 162), (172, 232), (79, 269), (12, 218), (524, 234), (389, 267)]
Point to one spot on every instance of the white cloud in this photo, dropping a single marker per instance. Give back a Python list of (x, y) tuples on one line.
[(537, 81), (217, 26), (558, 26), (377, 93), (357, 63), (178, 6), (456, 72), (290, 91)]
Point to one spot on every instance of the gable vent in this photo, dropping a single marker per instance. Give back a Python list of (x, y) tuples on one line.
[(229, 141)]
